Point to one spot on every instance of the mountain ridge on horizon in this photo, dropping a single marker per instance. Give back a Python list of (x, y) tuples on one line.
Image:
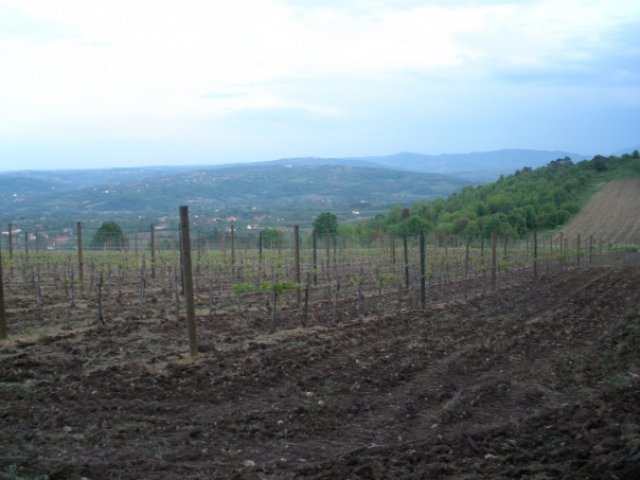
[(490, 163), (472, 166)]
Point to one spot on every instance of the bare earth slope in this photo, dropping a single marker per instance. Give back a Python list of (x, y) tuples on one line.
[(612, 213), (530, 382)]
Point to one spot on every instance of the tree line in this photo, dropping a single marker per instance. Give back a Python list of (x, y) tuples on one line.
[(514, 205)]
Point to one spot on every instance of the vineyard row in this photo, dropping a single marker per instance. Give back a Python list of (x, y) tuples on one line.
[(350, 281)]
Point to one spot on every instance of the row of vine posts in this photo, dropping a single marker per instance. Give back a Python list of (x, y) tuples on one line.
[(454, 267)]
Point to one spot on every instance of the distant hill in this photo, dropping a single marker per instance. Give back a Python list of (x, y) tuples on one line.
[(68, 180), (477, 167), (15, 186), (627, 150), (270, 192), (278, 191), (320, 161)]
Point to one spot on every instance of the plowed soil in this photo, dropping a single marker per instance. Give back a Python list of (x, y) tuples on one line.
[(611, 214), (531, 382)]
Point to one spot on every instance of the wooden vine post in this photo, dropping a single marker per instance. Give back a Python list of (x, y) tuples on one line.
[(466, 258), (296, 241), (315, 258), (481, 229), (494, 261), (187, 279), (406, 213), (423, 270), (392, 246), (327, 240), (233, 249), (99, 298), (10, 242), (305, 310), (3, 317), (535, 255), (153, 250), (80, 264)]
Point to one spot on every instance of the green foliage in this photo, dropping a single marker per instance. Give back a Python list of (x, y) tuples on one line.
[(325, 224), (388, 279), (271, 237), (278, 286), (599, 163), (356, 279), (541, 198), (109, 235), (242, 288)]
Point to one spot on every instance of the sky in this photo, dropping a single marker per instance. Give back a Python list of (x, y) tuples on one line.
[(121, 83)]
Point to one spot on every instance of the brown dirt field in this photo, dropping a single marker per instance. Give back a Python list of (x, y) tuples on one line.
[(612, 213), (530, 382)]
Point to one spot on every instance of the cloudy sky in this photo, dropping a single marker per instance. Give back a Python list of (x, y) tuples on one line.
[(145, 82)]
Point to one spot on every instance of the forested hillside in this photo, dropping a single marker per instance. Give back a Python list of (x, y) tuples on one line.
[(541, 198)]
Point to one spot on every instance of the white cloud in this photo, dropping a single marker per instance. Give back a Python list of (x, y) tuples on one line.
[(156, 68), (549, 32), (156, 58)]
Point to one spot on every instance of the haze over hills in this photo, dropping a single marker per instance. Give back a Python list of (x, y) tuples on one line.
[(48, 181), (260, 194), (475, 167), (275, 191), (627, 150)]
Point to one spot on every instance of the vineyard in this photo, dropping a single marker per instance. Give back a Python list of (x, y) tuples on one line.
[(98, 286), (413, 357), (330, 240)]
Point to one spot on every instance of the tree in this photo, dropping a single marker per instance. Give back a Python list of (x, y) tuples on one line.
[(411, 225), (109, 235), (271, 237), (599, 163), (325, 224)]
